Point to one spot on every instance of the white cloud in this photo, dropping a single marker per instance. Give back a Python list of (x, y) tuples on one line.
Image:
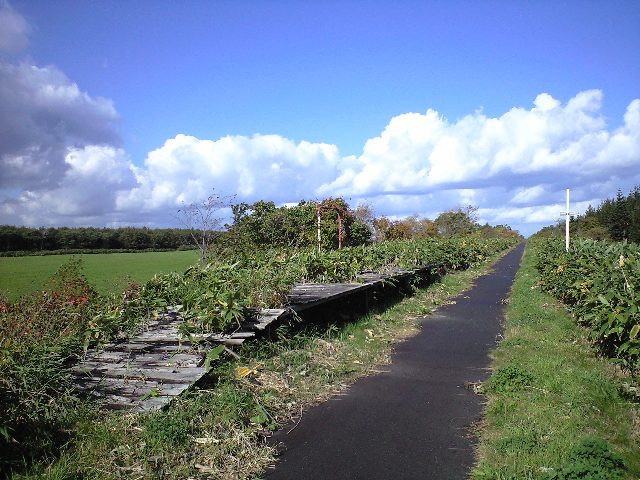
[(186, 169), (14, 29), (43, 115), (515, 166), (528, 195), (86, 193), (421, 152), (546, 214)]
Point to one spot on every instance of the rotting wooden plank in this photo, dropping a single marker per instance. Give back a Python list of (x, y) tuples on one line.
[(157, 364), (305, 296), (90, 367), (154, 362), (154, 403), (163, 375), (229, 341), (250, 327), (100, 388), (117, 402)]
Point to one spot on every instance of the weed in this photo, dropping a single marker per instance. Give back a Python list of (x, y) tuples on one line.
[(591, 459), (510, 378)]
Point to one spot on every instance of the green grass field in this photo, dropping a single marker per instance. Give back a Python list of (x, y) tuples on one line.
[(107, 272)]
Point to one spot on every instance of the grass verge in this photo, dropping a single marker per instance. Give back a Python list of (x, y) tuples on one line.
[(219, 431), (555, 410)]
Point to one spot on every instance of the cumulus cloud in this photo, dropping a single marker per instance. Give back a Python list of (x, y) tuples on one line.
[(86, 194), (14, 29), (44, 114), (527, 196), (186, 169), (422, 152), (514, 166), (524, 157), (545, 214)]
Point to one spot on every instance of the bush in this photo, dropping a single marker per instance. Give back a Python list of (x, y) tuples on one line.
[(600, 281), (591, 459)]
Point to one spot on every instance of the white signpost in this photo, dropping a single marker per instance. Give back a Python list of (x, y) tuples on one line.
[(567, 215)]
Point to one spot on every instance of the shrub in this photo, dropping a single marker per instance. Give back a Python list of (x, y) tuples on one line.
[(600, 281), (591, 459)]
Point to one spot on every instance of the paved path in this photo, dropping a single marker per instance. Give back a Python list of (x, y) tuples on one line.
[(413, 421)]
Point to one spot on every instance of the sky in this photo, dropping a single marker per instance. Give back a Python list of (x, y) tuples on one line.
[(118, 113)]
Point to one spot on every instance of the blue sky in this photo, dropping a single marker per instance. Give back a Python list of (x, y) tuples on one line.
[(161, 83)]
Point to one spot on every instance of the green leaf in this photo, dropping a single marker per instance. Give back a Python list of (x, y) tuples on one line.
[(212, 356), (154, 392)]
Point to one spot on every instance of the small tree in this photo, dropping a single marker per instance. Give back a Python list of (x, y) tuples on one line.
[(203, 221), (460, 221)]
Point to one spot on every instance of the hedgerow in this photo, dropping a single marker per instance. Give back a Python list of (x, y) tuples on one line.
[(600, 281)]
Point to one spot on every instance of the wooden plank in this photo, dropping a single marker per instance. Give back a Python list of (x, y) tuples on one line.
[(229, 341), (166, 375), (305, 296), (157, 360), (153, 403), (134, 390)]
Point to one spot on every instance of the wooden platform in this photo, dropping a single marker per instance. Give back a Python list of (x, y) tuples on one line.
[(156, 365)]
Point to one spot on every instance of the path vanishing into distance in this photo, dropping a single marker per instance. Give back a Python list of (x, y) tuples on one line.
[(415, 420)]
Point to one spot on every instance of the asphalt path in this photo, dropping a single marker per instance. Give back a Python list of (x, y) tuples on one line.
[(415, 420)]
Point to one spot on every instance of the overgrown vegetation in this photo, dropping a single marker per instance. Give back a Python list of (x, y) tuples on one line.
[(218, 432), (216, 296), (252, 266), (555, 409), (600, 281), (262, 223)]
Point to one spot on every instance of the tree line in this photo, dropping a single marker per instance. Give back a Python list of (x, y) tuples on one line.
[(262, 223), (615, 219), (13, 238), (252, 225)]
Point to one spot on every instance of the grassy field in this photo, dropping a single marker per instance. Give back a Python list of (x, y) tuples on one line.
[(556, 411), (107, 272)]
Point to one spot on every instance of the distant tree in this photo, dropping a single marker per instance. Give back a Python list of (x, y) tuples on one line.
[(381, 226), (204, 222), (614, 219), (457, 222), (405, 228), (264, 224), (590, 227), (633, 207), (620, 221), (364, 214)]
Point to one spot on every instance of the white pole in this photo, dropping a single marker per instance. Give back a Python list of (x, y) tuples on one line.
[(318, 215), (566, 227)]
